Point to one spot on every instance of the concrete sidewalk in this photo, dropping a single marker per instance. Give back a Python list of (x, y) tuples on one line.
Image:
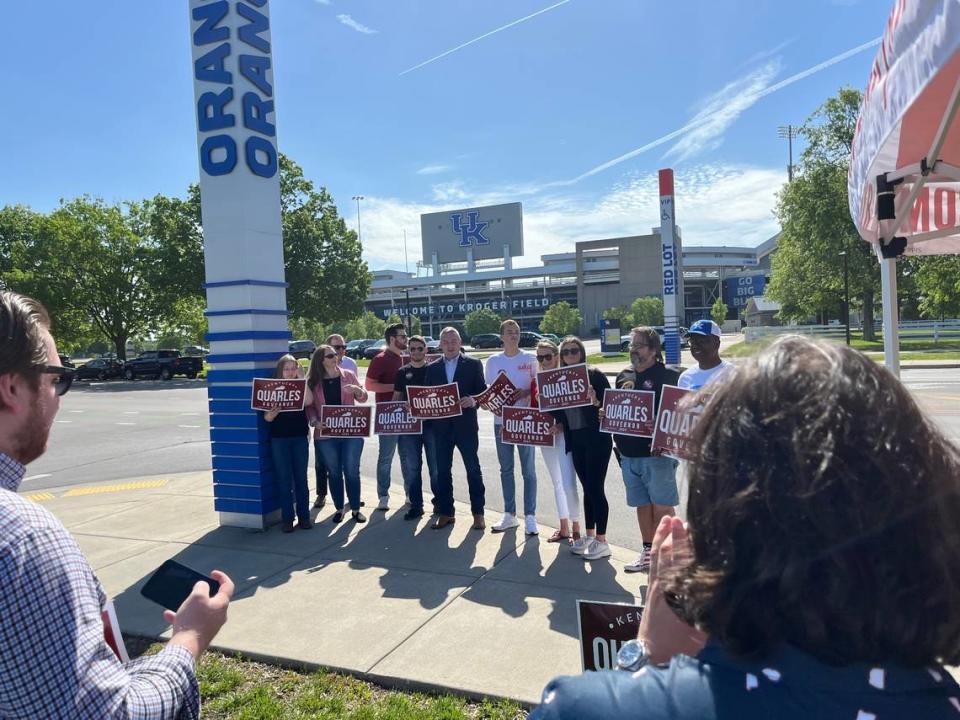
[(393, 601)]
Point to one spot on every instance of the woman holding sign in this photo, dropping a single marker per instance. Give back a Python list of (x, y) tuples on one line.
[(590, 449), (290, 451), (335, 385)]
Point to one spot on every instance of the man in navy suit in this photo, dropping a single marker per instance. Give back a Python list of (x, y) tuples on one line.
[(462, 432)]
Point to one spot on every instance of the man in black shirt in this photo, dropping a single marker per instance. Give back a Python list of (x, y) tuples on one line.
[(650, 480), (412, 447)]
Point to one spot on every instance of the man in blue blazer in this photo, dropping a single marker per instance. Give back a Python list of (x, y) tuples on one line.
[(460, 432)]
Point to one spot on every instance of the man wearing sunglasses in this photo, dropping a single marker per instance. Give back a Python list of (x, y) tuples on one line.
[(412, 448), (380, 377), (54, 659)]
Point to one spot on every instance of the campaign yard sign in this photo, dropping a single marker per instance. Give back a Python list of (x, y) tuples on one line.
[(526, 426), (675, 423), (393, 418), (629, 412), (433, 402), (498, 394), (604, 628), (566, 387), (284, 395), (345, 420)]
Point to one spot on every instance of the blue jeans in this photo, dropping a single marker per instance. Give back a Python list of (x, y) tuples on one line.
[(388, 447), (412, 449), (528, 469), (342, 458), (290, 457)]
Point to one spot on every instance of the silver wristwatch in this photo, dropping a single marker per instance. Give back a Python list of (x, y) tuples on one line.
[(633, 656)]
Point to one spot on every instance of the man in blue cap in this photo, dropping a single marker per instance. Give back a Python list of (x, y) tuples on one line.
[(705, 347)]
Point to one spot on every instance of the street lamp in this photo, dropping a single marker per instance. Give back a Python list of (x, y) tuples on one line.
[(789, 132), (846, 295), (358, 198)]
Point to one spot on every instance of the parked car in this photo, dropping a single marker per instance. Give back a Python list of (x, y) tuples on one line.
[(555, 339), (355, 348), (529, 339), (162, 364), (65, 361), (486, 340), (371, 351), (684, 340), (196, 351), (302, 348), (433, 346), (100, 369)]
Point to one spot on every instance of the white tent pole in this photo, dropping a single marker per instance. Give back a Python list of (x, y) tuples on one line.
[(891, 332)]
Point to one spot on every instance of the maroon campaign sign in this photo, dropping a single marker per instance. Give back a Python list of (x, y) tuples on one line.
[(526, 426), (285, 395), (628, 412), (498, 394), (675, 423), (345, 420), (565, 387), (434, 402), (604, 628), (393, 418)]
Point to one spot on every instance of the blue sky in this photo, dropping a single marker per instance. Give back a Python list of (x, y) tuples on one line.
[(99, 100)]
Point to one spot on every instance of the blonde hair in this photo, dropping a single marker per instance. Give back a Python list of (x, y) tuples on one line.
[(284, 359)]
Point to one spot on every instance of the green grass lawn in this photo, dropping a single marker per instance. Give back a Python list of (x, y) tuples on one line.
[(597, 358), (909, 349), (237, 689)]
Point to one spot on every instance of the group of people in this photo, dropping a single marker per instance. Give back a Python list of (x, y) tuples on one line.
[(577, 462)]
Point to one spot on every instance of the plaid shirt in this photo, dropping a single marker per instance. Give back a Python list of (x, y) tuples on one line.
[(54, 661)]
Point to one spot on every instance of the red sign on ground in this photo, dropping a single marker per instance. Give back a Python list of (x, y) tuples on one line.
[(278, 394), (628, 412), (526, 426), (345, 420), (675, 423), (432, 402), (498, 394), (393, 418), (604, 628), (565, 387)]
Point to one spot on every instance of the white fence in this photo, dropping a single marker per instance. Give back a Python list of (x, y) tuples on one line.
[(933, 330)]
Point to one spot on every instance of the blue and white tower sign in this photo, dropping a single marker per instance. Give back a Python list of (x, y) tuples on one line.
[(243, 244), (672, 270)]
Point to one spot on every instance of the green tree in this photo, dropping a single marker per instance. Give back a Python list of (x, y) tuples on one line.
[(719, 311), (621, 313), (415, 327), (480, 321), (367, 325), (646, 311), (937, 280), (561, 319)]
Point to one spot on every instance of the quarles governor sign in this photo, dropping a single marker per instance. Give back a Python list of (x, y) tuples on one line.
[(487, 231)]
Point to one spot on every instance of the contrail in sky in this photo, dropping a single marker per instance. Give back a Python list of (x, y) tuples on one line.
[(485, 35), (701, 120)]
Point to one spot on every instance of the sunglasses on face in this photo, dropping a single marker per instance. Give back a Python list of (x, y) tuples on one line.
[(415, 348), (545, 358), (329, 356), (339, 347), (64, 379), (569, 352)]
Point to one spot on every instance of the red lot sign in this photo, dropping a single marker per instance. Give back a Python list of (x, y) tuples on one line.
[(526, 426), (628, 412), (604, 628), (393, 418), (345, 420), (565, 387), (433, 402), (675, 423), (285, 395), (498, 394)]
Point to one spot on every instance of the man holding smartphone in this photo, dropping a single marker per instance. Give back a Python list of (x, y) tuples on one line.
[(54, 660)]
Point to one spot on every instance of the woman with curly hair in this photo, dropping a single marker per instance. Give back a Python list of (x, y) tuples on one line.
[(819, 576)]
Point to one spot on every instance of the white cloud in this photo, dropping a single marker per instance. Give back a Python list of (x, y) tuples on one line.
[(353, 24), (433, 169), (322, 2)]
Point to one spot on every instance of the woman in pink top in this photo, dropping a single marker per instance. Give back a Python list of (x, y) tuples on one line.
[(334, 385)]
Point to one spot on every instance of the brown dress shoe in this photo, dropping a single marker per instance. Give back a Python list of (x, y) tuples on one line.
[(442, 521), (478, 523)]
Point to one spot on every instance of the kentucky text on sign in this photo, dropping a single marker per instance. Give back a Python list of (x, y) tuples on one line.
[(270, 394), (433, 402), (393, 418), (526, 426), (628, 412), (565, 387), (604, 628), (675, 423), (345, 420), (499, 393)]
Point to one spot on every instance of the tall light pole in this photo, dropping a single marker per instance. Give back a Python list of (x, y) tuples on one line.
[(358, 198), (846, 295), (789, 132)]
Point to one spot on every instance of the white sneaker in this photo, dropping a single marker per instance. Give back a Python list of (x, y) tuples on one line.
[(580, 545), (641, 564), (509, 520), (384, 503), (596, 550), (531, 525)]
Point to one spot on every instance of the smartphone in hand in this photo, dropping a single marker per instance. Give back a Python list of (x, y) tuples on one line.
[(172, 583)]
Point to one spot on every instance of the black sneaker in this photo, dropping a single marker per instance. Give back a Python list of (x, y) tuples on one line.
[(287, 527), (337, 517), (413, 514), (359, 517), (305, 525), (320, 502)]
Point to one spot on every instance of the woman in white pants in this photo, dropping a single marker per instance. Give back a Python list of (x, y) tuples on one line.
[(558, 460)]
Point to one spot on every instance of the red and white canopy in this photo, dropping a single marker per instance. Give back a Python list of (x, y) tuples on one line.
[(908, 133)]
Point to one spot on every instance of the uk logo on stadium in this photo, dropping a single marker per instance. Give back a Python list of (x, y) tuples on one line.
[(470, 233)]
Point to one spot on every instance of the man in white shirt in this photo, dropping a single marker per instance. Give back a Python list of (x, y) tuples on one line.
[(705, 348), (521, 368)]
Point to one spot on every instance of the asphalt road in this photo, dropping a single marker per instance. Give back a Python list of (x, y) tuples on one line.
[(121, 430)]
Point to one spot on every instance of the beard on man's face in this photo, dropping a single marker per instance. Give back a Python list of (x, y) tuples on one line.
[(30, 441)]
